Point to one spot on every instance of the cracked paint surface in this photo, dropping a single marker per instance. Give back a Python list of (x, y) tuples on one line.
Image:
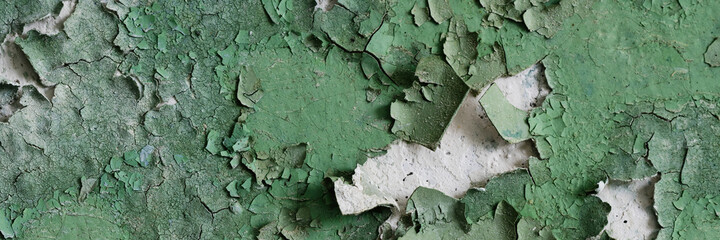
[(126, 119), (470, 153)]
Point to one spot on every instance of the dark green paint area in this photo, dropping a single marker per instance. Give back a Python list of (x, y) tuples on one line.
[(429, 105), (227, 119)]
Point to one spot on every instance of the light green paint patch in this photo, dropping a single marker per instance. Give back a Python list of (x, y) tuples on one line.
[(131, 158), (460, 47), (505, 9), (115, 164), (249, 90), (6, 226), (213, 142), (232, 189), (91, 219), (420, 13), (487, 68), (342, 28), (509, 121), (686, 205), (434, 214), (17, 13), (440, 10), (712, 56), (243, 37), (528, 229), (502, 225), (162, 42)]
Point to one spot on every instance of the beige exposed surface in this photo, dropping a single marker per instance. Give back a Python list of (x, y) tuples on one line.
[(632, 215)]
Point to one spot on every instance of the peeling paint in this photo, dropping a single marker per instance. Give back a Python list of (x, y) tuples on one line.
[(470, 153), (244, 119)]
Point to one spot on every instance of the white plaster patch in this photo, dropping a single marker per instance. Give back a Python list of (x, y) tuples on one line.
[(632, 215), (470, 153), (527, 89)]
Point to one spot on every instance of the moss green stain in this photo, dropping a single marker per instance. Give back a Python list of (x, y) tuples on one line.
[(186, 119)]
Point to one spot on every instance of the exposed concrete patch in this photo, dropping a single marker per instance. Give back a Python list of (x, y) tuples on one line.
[(632, 215), (470, 153)]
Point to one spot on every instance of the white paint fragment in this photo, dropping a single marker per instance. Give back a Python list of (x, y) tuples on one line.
[(470, 153), (631, 215)]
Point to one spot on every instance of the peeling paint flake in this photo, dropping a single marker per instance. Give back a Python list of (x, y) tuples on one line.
[(425, 121), (510, 122)]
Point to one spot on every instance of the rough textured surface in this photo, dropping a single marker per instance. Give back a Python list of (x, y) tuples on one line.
[(429, 104), (224, 119), (509, 121), (470, 153), (632, 215)]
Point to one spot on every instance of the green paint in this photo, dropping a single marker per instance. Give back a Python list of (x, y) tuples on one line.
[(508, 188), (6, 226), (437, 216), (223, 119), (510, 122), (422, 120), (712, 56)]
